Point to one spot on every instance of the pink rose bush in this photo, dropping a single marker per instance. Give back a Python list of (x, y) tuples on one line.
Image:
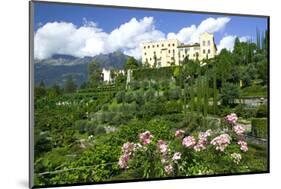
[(176, 156), (221, 142), (179, 133), (128, 148), (168, 169), (239, 129), (145, 137), (243, 145), (173, 155), (202, 142), (188, 141), (231, 118)]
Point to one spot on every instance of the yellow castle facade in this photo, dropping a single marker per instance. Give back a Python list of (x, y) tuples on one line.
[(171, 51)]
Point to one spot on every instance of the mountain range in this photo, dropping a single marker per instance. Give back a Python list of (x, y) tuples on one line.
[(58, 67)]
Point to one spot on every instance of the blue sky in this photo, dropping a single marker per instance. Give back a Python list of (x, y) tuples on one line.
[(107, 19)]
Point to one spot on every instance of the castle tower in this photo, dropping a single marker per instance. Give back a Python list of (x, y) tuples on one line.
[(208, 47)]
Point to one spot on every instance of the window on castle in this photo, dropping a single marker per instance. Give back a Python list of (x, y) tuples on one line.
[(173, 44), (148, 46), (144, 47), (157, 45), (204, 51), (145, 53), (204, 43), (152, 46), (169, 45), (169, 51), (162, 45), (209, 42), (209, 51)]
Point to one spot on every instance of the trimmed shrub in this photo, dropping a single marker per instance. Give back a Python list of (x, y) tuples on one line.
[(139, 98), (165, 84), (120, 96), (129, 98), (174, 94), (262, 111), (145, 85), (173, 107), (100, 130), (149, 95), (259, 127), (245, 111), (135, 85)]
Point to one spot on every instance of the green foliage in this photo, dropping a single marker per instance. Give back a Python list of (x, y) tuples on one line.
[(173, 107), (229, 93), (131, 63), (165, 85), (153, 73), (70, 85), (120, 97), (262, 111), (135, 85), (254, 91), (94, 74), (259, 127), (139, 97), (151, 109), (150, 95), (145, 85), (129, 98), (174, 93), (245, 111), (40, 91)]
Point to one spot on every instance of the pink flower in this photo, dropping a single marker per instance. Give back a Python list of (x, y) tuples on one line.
[(239, 129), (168, 169), (231, 118), (243, 145), (200, 145), (202, 140), (163, 147), (221, 142), (179, 133), (128, 147), (204, 135), (123, 161), (188, 141), (176, 156), (145, 137)]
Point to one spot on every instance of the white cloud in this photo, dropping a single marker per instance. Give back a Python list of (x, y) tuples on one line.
[(90, 40), (191, 34), (227, 42)]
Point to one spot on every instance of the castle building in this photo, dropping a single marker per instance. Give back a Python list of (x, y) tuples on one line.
[(107, 74), (171, 51)]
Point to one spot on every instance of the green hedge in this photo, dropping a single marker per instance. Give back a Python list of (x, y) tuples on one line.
[(153, 73), (259, 127)]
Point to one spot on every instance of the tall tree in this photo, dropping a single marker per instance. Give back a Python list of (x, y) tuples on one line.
[(40, 90), (131, 63), (70, 85), (95, 76)]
